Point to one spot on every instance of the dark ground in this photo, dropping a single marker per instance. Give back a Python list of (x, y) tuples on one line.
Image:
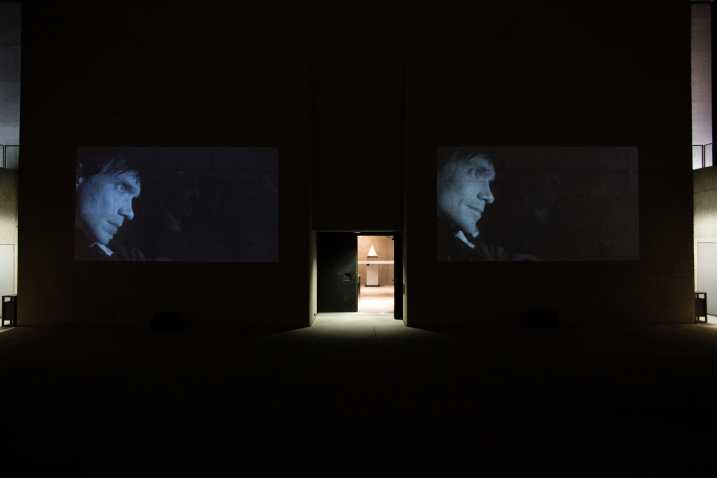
[(359, 401)]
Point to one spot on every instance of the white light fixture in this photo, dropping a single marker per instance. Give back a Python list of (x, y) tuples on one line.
[(372, 252)]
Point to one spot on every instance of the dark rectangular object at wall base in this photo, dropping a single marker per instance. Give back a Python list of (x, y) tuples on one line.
[(166, 321), (9, 310), (543, 319), (700, 306)]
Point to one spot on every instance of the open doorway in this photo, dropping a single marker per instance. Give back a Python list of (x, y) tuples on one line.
[(376, 274), (356, 276)]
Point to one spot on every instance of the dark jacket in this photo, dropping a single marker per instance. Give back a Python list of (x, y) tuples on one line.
[(451, 248), (85, 252)]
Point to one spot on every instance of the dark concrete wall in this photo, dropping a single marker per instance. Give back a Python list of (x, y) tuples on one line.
[(188, 75), (554, 75), (357, 96), (357, 112)]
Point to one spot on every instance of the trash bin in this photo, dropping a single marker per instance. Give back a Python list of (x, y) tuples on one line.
[(700, 306), (9, 310)]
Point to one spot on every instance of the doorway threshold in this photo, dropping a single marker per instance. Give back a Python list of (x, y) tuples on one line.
[(356, 319), (390, 312)]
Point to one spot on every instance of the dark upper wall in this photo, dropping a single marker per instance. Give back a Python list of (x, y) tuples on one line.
[(554, 75), (357, 95), (357, 113)]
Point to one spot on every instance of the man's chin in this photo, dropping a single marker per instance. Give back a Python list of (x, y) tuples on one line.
[(103, 240), (471, 231)]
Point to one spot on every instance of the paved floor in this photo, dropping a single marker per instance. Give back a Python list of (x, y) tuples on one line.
[(360, 401)]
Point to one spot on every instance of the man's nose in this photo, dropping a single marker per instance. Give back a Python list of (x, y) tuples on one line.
[(485, 194), (126, 210)]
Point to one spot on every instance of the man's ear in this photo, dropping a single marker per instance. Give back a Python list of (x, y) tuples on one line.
[(79, 181)]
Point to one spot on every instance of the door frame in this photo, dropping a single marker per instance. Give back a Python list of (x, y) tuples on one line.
[(313, 283)]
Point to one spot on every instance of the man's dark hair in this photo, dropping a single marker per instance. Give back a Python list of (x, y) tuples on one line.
[(93, 161), (447, 156)]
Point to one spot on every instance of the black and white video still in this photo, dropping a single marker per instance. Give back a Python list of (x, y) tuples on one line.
[(177, 204), (537, 204)]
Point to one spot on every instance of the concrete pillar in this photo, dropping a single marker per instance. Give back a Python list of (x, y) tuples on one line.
[(8, 213), (701, 74)]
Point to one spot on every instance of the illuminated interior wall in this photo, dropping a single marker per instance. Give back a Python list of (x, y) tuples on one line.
[(701, 74), (10, 73), (383, 245), (8, 211)]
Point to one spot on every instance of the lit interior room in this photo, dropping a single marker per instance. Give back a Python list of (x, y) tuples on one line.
[(375, 269)]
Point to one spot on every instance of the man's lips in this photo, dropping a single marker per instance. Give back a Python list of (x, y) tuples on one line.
[(479, 211)]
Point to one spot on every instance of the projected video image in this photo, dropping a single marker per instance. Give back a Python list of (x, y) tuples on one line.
[(177, 204), (537, 204)]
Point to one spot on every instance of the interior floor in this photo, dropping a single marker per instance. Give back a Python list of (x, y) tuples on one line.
[(363, 319), (376, 300), (360, 401)]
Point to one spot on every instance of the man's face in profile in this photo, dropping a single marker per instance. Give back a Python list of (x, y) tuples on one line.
[(104, 202), (464, 190)]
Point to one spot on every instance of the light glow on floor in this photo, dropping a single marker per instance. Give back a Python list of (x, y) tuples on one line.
[(376, 300)]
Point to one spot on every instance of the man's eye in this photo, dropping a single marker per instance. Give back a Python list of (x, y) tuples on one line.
[(482, 174), (120, 187)]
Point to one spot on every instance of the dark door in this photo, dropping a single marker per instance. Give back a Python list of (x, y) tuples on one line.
[(337, 271), (398, 276)]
